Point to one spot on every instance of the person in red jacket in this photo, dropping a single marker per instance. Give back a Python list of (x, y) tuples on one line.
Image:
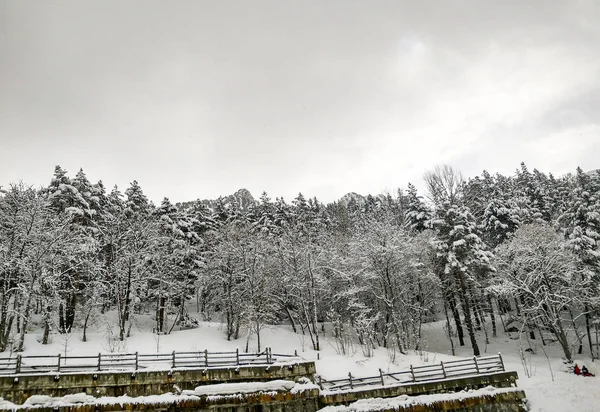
[(585, 371), (577, 370)]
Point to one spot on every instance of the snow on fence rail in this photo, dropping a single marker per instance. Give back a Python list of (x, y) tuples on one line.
[(443, 370), (134, 361)]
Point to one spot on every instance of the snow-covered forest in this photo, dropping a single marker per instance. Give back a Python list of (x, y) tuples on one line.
[(517, 251)]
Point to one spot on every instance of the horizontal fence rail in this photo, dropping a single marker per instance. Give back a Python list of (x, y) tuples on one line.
[(443, 370), (30, 364)]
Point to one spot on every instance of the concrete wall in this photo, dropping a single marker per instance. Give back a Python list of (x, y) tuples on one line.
[(304, 402), (18, 388), (263, 402), (500, 402), (158, 382)]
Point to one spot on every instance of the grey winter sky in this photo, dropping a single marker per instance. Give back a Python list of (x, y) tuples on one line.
[(200, 98)]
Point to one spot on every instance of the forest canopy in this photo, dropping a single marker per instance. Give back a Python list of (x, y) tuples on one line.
[(375, 267)]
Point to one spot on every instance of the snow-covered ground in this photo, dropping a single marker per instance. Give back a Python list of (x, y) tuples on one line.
[(550, 386)]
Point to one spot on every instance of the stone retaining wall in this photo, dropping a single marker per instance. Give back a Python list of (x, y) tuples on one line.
[(142, 383), (497, 380), (307, 401)]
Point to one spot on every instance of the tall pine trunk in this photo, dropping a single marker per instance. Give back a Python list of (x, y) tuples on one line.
[(468, 315), (457, 321), (492, 316)]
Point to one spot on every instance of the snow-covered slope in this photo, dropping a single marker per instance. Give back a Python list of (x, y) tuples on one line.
[(549, 384)]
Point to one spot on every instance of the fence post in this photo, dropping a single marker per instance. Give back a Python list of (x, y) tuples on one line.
[(381, 376), (443, 369), (501, 361), (476, 365), (173, 359), (206, 357), (237, 356), (350, 377), (99, 361), (18, 365), (412, 373), (136, 361), (58, 363)]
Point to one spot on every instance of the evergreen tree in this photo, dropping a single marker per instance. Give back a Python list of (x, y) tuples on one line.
[(463, 254), (417, 213), (582, 228)]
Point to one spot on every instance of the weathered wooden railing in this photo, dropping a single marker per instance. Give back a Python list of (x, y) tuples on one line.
[(443, 370), (134, 361)]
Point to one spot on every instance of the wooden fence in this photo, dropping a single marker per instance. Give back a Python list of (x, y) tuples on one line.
[(134, 361), (443, 370)]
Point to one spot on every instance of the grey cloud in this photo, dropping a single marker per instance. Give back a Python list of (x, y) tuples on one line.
[(200, 98)]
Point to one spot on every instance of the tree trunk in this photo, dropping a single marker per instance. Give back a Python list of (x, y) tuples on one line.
[(125, 305), (492, 316), (160, 314), (236, 333), (7, 332), (457, 322), (257, 337), (3, 319), (85, 325), (291, 318), (248, 341), (577, 334), (467, 314), (588, 330), (482, 322), (70, 311), (24, 326), (564, 343), (541, 335), (477, 316), (46, 334), (449, 326), (61, 318)]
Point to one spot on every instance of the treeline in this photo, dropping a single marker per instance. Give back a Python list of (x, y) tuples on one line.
[(375, 267)]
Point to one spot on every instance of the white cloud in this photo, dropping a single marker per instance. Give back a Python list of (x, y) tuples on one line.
[(196, 100)]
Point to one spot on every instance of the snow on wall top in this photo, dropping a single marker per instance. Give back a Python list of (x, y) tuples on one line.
[(404, 401)]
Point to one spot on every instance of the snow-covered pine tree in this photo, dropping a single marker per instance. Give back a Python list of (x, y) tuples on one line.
[(418, 214), (463, 254), (71, 198), (581, 223)]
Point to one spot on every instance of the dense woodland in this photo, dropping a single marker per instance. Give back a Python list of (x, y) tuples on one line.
[(478, 254)]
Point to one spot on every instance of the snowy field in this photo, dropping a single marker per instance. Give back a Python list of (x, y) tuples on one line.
[(549, 386)]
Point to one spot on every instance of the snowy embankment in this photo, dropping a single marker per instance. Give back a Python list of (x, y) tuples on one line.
[(548, 383)]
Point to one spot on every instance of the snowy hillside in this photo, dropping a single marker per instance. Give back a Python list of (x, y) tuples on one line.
[(492, 254), (549, 387)]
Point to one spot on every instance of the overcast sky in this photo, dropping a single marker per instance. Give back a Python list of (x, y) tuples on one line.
[(195, 99)]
